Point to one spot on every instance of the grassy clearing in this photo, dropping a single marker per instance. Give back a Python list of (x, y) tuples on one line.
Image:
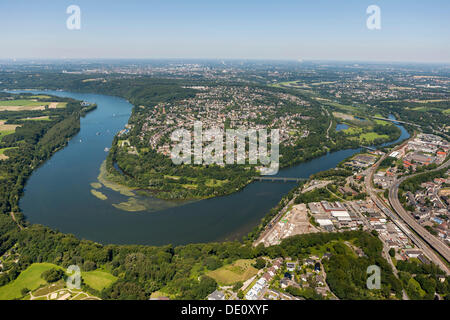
[(240, 270), (353, 130), (43, 118), (21, 103), (426, 109), (342, 106), (343, 116), (29, 104), (189, 186), (400, 88), (431, 101), (215, 183), (382, 122), (40, 96), (98, 279), (2, 153), (29, 278), (321, 83), (172, 177), (371, 136), (5, 133), (54, 105), (8, 127)]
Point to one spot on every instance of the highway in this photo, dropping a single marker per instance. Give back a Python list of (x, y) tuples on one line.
[(431, 240), (401, 214)]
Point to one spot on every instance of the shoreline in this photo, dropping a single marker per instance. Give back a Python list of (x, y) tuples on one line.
[(156, 193)]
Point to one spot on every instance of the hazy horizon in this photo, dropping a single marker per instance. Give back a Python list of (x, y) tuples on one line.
[(251, 30)]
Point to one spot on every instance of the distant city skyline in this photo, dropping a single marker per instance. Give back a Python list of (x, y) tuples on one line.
[(333, 30)]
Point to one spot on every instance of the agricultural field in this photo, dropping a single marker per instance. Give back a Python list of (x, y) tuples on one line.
[(6, 129), (42, 118), (98, 279), (372, 136), (5, 133), (240, 270), (29, 105), (382, 122), (215, 182), (342, 106), (29, 278), (291, 84), (343, 116), (21, 102)]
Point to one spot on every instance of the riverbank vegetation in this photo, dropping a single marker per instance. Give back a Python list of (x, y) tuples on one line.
[(32, 143), (191, 271), (141, 167)]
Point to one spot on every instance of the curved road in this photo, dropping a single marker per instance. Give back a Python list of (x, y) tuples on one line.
[(432, 241), (400, 213)]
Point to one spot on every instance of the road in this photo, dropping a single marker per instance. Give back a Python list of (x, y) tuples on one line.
[(331, 123), (431, 240), (267, 229), (409, 220)]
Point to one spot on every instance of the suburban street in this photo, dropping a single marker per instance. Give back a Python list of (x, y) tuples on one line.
[(427, 239)]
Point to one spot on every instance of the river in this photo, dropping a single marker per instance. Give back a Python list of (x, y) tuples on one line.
[(58, 194)]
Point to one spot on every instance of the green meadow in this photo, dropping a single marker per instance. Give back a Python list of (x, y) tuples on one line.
[(30, 278), (21, 102), (98, 279)]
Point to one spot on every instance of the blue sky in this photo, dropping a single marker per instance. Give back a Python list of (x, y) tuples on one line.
[(307, 29)]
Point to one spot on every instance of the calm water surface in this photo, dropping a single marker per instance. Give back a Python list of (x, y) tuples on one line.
[(58, 193)]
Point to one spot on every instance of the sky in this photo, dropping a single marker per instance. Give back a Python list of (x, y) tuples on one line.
[(411, 31)]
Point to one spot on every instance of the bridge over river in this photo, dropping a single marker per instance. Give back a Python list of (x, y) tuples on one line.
[(278, 179)]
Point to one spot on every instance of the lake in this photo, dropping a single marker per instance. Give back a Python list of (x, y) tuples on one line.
[(58, 194), (341, 126)]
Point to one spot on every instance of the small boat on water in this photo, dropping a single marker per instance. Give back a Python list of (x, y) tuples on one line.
[(106, 149)]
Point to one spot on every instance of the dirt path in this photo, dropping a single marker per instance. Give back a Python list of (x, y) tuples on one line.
[(15, 220)]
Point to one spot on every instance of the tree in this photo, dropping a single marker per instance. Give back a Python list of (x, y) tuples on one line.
[(392, 252), (52, 275), (237, 286), (89, 266), (212, 263), (260, 263)]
